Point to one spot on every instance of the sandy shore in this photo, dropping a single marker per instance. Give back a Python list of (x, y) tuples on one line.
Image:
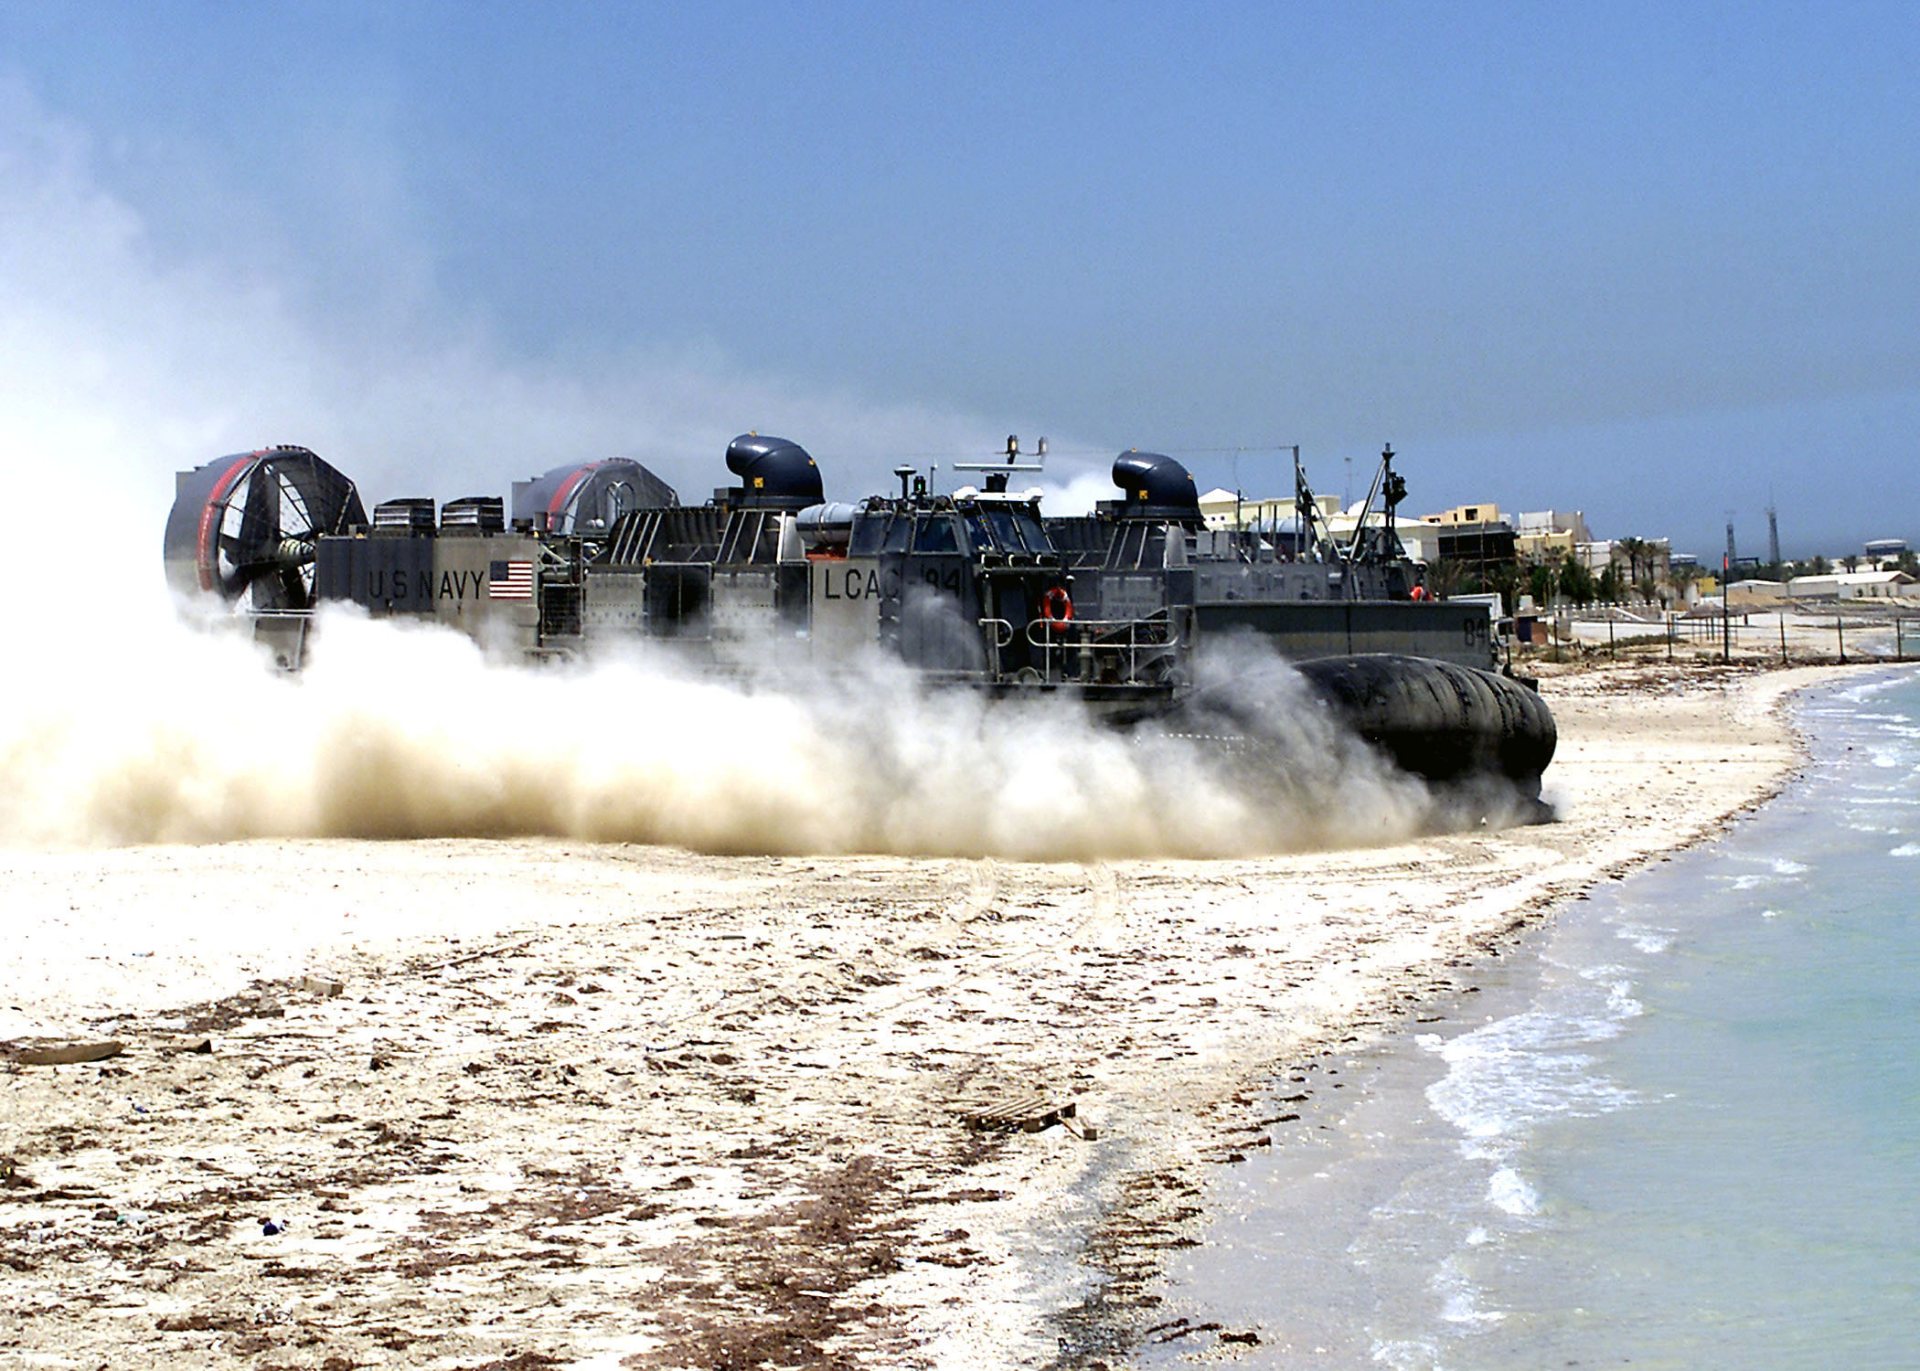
[(627, 1106)]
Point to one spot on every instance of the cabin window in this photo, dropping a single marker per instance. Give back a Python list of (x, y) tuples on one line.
[(937, 534), (1005, 535), (869, 532)]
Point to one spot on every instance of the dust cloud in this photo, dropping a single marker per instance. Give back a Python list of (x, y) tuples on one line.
[(121, 724), (172, 733)]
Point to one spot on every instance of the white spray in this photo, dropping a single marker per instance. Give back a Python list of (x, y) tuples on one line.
[(166, 733)]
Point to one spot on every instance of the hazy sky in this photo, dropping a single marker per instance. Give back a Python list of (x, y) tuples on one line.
[(1657, 262)]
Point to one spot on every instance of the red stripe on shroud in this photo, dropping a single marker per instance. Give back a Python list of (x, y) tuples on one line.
[(569, 486), (220, 489)]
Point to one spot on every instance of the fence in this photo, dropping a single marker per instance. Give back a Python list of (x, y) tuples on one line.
[(1786, 638)]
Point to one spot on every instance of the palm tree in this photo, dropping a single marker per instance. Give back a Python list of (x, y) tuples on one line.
[(1576, 582), (1444, 577), (1639, 551), (1542, 578), (1632, 548)]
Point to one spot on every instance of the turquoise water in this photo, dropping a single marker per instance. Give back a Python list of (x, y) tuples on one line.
[(1678, 1127)]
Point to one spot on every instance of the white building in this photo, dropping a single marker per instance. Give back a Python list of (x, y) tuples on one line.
[(1755, 594), (1854, 585), (1540, 523), (1598, 555), (1422, 541), (1223, 508)]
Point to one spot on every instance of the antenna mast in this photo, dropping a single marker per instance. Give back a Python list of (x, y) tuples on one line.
[(1382, 476), (998, 473), (1310, 531)]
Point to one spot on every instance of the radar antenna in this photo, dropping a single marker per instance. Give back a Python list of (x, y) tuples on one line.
[(998, 473)]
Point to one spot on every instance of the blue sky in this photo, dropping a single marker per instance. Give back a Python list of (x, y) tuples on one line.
[(1656, 262)]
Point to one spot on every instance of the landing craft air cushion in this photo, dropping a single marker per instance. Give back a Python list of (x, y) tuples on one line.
[(1120, 609)]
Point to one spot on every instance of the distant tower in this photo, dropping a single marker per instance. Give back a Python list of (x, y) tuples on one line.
[(1773, 536), (1730, 552)]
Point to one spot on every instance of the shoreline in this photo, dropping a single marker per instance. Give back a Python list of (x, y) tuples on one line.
[(634, 1106), (1345, 1148), (1296, 1092), (1378, 1207)]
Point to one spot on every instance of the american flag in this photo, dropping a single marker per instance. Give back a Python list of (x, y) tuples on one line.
[(510, 581)]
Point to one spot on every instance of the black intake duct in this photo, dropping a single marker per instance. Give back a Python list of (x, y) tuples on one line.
[(775, 473), (1155, 486)]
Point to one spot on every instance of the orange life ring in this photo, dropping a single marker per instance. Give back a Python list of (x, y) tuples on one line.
[(1056, 606), (1417, 593)]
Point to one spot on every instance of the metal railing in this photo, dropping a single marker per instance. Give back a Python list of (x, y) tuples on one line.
[(1092, 651)]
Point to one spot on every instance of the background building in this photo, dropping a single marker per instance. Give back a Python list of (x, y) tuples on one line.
[(1549, 534), (1854, 585), (1473, 538)]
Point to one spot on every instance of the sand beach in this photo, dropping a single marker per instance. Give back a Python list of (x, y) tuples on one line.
[(477, 1103)]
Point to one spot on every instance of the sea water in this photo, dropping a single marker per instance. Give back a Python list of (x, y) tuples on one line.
[(1679, 1126)]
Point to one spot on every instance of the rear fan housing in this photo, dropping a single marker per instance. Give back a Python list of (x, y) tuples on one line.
[(245, 527)]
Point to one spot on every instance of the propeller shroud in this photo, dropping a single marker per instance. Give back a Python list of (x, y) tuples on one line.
[(245, 527)]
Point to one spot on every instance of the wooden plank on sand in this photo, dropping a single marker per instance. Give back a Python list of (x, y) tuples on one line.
[(1025, 1113), (66, 1054)]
